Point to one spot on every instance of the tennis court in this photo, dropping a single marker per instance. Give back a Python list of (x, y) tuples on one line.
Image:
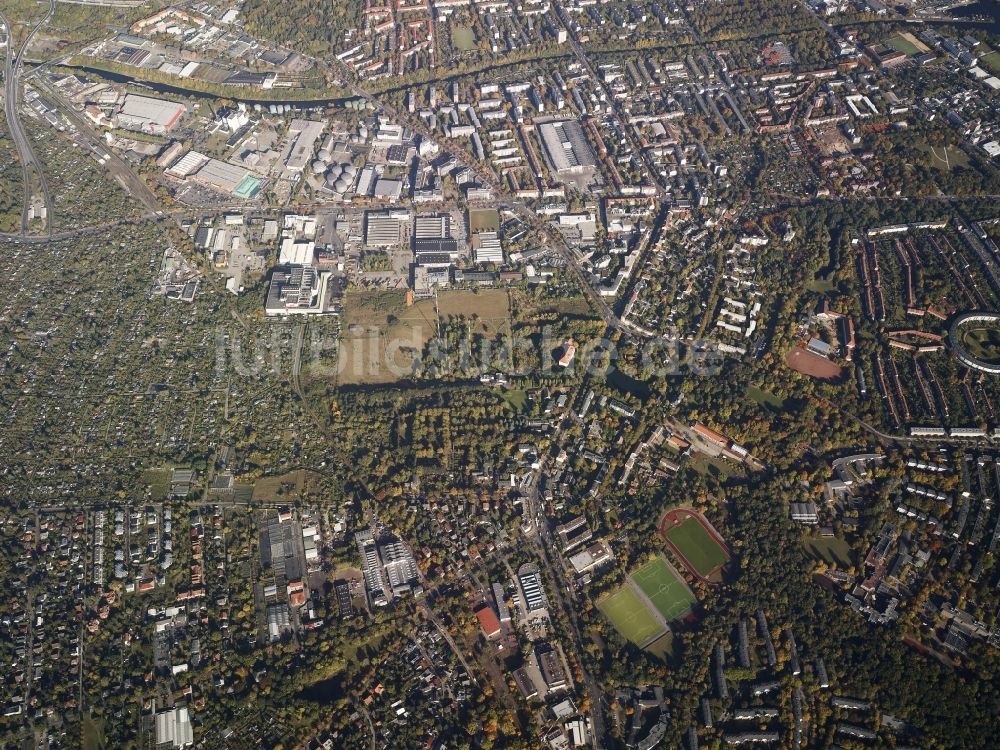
[(630, 617), (664, 588)]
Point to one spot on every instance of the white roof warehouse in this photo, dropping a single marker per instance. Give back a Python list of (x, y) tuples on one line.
[(148, 115)]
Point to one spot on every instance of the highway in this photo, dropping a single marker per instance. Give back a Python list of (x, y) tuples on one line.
[(12, 97)]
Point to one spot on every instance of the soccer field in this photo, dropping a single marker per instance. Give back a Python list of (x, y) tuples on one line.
[(664, 588), (697, 546), (630, 617)]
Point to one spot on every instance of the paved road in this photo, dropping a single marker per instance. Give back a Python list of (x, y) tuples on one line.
[(12, 97), (623, 121), (558, 583)]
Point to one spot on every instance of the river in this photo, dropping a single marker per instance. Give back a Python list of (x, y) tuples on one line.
[(166, 88), (989, 9)]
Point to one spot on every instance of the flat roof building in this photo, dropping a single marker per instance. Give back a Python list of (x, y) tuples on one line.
[(447, 247), (296, 291), (436, 227), (531, 587), (387, 189), (566, 146), (400, 567), (149, 115), (552, 670), (591, 558), (488, 248), (302, 137), (173, 729), (383, 230)]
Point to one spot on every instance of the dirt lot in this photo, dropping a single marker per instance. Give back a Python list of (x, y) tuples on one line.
[(813, 365)]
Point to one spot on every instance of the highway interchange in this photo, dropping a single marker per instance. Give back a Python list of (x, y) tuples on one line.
[(13, 67)]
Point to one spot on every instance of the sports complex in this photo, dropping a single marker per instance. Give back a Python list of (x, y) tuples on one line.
[(695, 543), (653, 596)]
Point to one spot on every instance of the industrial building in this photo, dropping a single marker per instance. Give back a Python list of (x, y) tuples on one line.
[(488, 248), (387, 189), (384, 229), (531, 588), (296, 252), (148, 115), (217, 175), (433, 227), (302, 137), (400, 567), (371, 569), (173, 729), (388, 567), (566, 146), (301, 290)]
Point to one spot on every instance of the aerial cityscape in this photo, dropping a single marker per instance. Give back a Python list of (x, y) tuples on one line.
[(500, 374)]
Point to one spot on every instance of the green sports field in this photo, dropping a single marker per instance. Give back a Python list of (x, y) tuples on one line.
[(664, 588), (630, 617), (697, 546), (902, 44)]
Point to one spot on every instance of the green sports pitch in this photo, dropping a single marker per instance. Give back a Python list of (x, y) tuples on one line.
[(630, 617), (697, 546), (664, 588)]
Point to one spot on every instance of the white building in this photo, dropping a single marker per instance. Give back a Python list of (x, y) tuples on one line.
[(488, 248), (173, 729)]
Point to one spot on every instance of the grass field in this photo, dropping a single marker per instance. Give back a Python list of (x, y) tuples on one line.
[(697, 546), (831, 549), (715, 466), (92, 733), (526, 307), (284, 487), (463, 38), (664, 588), (630, 617), (991, 62), (765, 398), (518, 400), (821, 285), (158, 481), (943, 157), (382, 336), (664, 647), (982, 342), (484, 220), (489, 307), (906, 43)]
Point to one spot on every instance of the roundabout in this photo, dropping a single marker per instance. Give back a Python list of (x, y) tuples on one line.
[(975, 339)]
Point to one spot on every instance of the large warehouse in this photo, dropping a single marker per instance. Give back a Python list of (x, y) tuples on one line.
[(149, 115), (566, 146), (215, 174)]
